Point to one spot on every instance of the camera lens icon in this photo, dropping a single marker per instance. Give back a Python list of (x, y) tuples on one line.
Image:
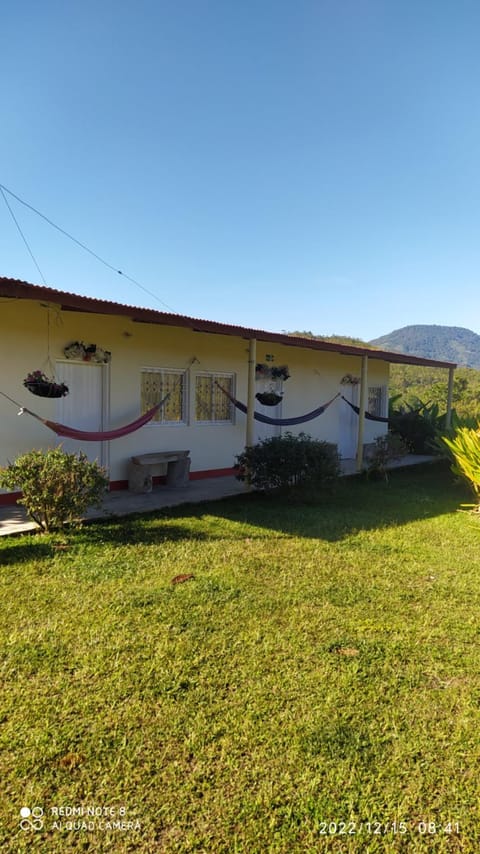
[(31, 819)]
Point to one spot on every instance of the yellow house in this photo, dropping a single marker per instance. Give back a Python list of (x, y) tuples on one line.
[(118, 361)]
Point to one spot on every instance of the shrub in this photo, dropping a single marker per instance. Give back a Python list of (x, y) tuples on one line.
[(464, 452), (417, 425), (56, 487), (285, 461), (385, 450)]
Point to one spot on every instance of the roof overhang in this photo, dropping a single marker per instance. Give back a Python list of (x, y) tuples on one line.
[(17, 289)]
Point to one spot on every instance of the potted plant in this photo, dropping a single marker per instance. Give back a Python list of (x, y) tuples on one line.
[(86, 352), (262, 371), (273, 372), (280, 372), (38, 383), (268, 398), (349, 379)]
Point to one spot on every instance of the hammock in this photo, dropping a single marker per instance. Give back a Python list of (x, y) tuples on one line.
[(99, 436), (368, 415), (91, 435), (281, 422)]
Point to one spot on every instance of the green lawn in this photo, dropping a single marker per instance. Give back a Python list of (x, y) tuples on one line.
[(315, 687)]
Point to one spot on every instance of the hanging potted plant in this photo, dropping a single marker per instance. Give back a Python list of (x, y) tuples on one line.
[(279, 372), (262, 371), (268, 398), (38, 383)]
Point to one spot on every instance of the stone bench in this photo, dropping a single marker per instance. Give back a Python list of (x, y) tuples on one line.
[(140, 469)]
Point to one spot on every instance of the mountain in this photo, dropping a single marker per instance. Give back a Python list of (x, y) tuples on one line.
[(446, 343)]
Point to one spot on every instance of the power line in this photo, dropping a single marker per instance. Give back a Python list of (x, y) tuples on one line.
[(78, 242), (22, 235)]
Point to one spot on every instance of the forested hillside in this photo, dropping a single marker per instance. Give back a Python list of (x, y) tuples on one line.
[(446, 343), (428, 385)]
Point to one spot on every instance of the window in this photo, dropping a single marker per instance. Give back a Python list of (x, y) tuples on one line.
[(155, 384), (376, 397), (211, 404)]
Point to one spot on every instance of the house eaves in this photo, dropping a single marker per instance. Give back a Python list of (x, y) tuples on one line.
[(17, 289)]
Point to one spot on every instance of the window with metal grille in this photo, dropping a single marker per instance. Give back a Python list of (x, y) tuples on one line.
[(211, 404), (376, 397), (156, 383)]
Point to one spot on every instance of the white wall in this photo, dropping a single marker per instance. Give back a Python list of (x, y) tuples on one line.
[(315, 377)]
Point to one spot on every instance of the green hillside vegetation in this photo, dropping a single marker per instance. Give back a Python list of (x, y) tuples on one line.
[(337, 339), (445, 343), (430, 386)]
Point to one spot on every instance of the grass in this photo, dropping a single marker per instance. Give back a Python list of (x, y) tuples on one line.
[(319, 674)]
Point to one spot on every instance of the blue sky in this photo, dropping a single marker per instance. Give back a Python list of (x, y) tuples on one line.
[(286, 165)]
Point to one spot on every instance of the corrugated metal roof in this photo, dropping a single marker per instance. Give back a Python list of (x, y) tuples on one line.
[(73, 302)]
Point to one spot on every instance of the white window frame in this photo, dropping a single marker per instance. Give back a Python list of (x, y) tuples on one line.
[(215, 375), (161, 422)]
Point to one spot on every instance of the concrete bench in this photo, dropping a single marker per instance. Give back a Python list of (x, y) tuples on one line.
[(140, 469)]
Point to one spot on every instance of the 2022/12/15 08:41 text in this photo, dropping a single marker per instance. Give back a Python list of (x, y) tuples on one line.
[(381, 828)]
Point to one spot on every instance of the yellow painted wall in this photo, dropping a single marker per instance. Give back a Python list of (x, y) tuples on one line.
[(24, 325)]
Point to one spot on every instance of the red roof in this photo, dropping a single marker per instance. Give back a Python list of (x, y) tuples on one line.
[(72, 302)]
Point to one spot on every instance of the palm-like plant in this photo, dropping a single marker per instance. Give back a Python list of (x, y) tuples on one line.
[(464, 450)]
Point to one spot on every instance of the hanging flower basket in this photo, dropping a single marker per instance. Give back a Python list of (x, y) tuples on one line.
[(280, 372), (262, 371), (268, 398), (38, 383), (271, 372)]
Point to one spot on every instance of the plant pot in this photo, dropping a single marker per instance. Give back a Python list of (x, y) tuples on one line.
[(263, 372), (268, 398), (43, 389), (280, 372)]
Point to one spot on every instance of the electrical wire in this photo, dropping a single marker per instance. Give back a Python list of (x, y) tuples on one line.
[(22, 235), (4, 190)]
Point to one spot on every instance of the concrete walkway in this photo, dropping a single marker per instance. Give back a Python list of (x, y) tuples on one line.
[(14, 520)]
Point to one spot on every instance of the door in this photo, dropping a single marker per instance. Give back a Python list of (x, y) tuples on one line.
[(348, 423), (84, 407)]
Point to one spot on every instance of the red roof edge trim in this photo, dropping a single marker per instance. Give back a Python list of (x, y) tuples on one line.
[(15, 288)]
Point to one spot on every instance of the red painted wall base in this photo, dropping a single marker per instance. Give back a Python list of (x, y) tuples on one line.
[(116, 485)]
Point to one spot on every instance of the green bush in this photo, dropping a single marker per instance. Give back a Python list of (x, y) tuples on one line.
[(464, 452), (417, 425), (282, 462), (56, 487)]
